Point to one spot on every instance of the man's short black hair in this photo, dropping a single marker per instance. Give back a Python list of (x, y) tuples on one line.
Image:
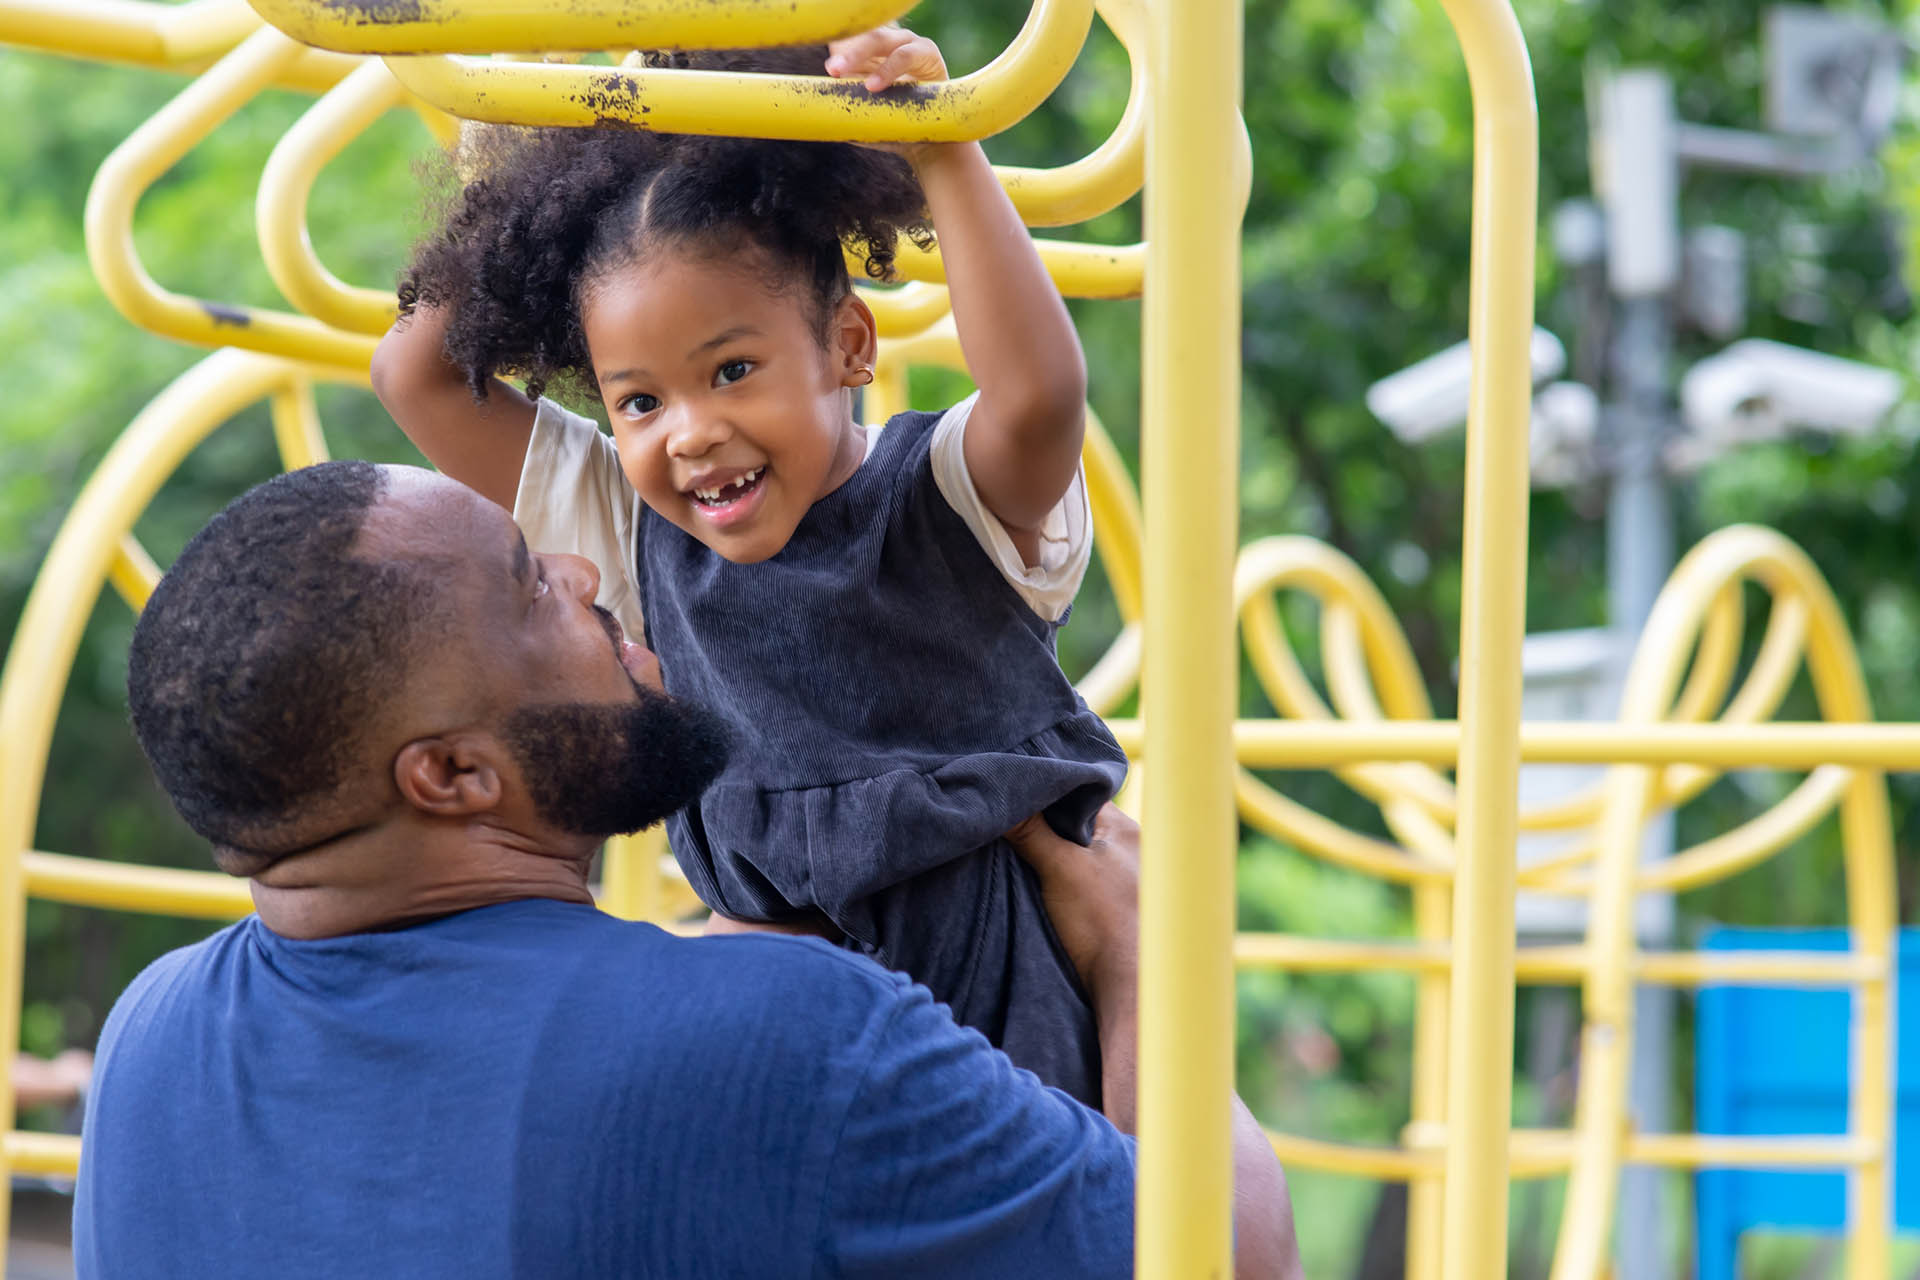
[(263, 654)]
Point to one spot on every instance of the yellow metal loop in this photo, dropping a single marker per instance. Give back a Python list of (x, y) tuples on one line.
[(280, 212), (172, 37), (1703, 577), (1361, 641), (136, 31), (133, 573), (1078, 270), (1111, 173), (905, 311), (150, 151), (481, 26), (762, 106)]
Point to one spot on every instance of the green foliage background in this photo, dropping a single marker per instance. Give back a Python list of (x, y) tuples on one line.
[(1355, 265)]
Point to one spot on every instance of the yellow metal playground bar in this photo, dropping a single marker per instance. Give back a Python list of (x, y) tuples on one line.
[(1179, 587)]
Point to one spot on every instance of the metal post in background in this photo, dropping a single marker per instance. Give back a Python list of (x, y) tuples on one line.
[(1640, 186)]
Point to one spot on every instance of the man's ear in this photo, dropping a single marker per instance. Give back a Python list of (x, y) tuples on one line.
[(452, 775), (853, 339)]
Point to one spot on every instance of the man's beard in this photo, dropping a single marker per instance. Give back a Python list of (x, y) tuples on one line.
[(602, 769)]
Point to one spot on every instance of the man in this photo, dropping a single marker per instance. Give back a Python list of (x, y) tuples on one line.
[(429, 1055)]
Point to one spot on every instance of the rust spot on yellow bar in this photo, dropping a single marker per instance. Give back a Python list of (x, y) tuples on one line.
[(225, 315)]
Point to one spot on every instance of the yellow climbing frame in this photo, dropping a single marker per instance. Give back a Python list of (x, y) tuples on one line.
[(1179, 583)]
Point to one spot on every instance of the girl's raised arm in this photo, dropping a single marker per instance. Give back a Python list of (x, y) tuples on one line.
[(1024, 435), (481, 444)]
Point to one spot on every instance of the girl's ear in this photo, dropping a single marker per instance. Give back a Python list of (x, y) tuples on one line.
[(853, 341), (450, 776)]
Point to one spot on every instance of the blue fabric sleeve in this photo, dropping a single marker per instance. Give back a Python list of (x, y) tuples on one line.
[(953, 1162)]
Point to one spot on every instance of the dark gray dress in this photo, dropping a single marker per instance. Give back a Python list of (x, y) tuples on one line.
[(896, 706)]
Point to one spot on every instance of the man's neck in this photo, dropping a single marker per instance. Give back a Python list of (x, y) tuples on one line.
[(388, 878)]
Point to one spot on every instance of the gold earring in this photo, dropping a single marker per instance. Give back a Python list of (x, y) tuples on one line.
[(863, 375)]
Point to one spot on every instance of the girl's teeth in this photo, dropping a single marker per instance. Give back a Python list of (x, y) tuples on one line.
[(711, 496)]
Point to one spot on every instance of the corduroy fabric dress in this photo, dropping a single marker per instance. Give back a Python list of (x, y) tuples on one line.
[(896, 706)]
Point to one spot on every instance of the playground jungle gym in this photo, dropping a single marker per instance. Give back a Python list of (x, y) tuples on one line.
[(1190, 596)]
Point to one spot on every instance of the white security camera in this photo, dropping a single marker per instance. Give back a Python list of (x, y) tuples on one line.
[(1761, 390), (1565, 435), (1430, 397)]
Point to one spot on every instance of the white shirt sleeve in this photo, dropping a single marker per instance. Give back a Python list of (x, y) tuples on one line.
[(573, 498), (1066, 537)]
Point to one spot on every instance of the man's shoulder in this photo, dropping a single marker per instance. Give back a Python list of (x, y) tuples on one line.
[(801, 992), (809, 985), (211, 951), (187, 968)]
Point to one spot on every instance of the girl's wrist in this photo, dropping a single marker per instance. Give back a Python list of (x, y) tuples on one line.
[(929, 159)]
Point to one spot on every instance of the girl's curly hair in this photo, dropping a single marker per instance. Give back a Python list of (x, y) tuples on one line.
[(542, 213)]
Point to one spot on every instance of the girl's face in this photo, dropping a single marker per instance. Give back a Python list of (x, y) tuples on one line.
[(730, 414)]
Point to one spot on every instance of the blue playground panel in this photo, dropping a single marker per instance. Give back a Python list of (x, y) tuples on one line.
[(1774, 1060)]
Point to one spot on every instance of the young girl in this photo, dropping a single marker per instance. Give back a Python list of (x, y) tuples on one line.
[(873, 610)]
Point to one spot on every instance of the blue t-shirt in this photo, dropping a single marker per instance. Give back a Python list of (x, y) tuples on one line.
[(538, 1089)]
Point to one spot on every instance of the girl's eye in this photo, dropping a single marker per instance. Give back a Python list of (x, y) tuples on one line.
[(641, 404), (732, 371)]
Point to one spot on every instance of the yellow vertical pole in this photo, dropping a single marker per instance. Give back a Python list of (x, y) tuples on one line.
[(887, 394), (296, 425), (1190, 411), (1480, 1040), (1873, 915), (630, 875), (1432, 916)]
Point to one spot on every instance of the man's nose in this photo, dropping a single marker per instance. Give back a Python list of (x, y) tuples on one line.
[(575, 574)]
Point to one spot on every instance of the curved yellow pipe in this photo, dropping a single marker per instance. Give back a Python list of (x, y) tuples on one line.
[(1728, 557), (1355, 618), (905, 311), (1733, 851), (133, 573), (1775, 665), (1079, 270), (534, 26), (1267, 810), (136, 31), (974, 106), (1117, 526), (280, 211), (184, 37), (150, 151), (1111, 173), (334, 121)]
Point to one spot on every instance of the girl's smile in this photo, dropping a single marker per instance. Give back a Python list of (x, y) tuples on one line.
[(729, 403), (725, 502)]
